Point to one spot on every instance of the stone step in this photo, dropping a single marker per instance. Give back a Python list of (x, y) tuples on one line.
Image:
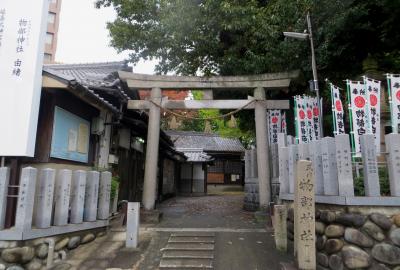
[(191, 239), (198, 234), (186, 263), (189, 246), (194, 254)]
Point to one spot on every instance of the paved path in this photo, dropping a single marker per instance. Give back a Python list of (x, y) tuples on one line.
[(234, 240), (207, 212)]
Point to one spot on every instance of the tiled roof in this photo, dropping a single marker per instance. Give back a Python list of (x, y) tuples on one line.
[(195, 155), (205, 141), (92, 76)]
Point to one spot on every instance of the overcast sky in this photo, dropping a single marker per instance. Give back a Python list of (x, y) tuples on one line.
[(83, 37)]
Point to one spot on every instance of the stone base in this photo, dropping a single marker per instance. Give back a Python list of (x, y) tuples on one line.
[(150, 216)]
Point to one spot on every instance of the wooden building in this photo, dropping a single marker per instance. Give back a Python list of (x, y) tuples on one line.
[(211, 160), (84, 125)]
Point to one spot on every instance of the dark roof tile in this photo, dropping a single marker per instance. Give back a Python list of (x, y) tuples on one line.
[(205, 141)]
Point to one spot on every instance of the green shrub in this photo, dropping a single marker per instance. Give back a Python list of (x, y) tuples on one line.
[(114, 186), (383, 182)]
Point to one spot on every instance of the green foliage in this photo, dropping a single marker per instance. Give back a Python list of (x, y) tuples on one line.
[(383, 182), (218, 125), (238, 37), (245, 37), (114, 186)]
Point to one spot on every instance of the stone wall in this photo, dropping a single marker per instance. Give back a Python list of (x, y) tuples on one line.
[(355, 241), (32, 254)]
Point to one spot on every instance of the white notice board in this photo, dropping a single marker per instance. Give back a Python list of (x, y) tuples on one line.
[(23, 26)]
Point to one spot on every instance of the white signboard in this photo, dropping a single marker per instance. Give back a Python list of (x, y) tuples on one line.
[(23, 24), (394, 99), (283, 123), (337, 109), (373, 88), (316, 115), (274, 118), (359, 113), (309, 103), (301, 122)]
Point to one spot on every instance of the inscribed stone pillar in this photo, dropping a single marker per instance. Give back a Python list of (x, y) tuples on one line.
[(274, 161), (262, 144), (280, 227), (304, 152), (103, 211), (91, 196), (329, 166), (4, 180), (305, 216), (44, 198), (253, 162), (393, 159), (132, 225), (293, 158), (344, 167), (290, 140), (282, 140), (153, 138), (316, 159), (62, 197), (370, 165), (283, 170), (26, 199), (78, 196)]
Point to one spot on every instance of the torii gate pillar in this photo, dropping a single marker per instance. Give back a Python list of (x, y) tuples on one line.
[(158, 82), (262, 149), (153, 138)]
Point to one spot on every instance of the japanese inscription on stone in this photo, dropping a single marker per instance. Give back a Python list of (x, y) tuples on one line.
[(345, 172), (370, 165), (328, 151), (305, 215)]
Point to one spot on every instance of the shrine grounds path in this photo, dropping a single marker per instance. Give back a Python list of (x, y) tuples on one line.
[(242, 242)]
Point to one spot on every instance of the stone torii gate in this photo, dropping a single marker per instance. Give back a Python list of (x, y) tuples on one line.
[(155, 83)]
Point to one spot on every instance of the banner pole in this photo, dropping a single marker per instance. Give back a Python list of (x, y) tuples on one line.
[(389, 82), (367, 106), (350, 120), (333, 110)]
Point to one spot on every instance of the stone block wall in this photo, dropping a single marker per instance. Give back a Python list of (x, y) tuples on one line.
[(33, 254), (354, 240)]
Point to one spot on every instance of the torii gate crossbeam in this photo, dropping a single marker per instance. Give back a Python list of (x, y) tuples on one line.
[(156, 83)]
